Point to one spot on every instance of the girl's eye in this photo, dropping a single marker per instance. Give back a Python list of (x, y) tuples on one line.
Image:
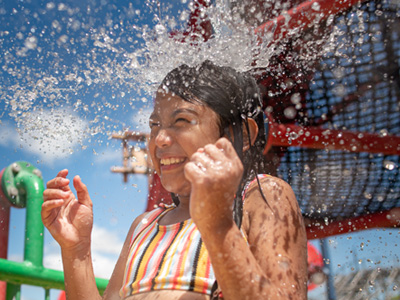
[(182, 120), (154, 124)]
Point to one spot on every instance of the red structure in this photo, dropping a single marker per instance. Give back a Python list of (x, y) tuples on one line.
[(333, 131), (4, 229), (303, 130)]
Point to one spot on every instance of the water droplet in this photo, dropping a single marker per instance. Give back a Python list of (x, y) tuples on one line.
[(338, 73), (62, 39), (380, 198), (339, 90), (293, 135), (387, 164), (367, 195), (160, 29), (290, 112), (31, 42), (50, 5), (56, 25), (295, 98), (383, 132), (316, 6), (62, 7)]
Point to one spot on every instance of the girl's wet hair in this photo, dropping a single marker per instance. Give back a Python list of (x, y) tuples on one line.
[(234, 97)]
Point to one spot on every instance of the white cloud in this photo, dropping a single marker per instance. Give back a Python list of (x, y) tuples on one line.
[(108, 155), (53, 260), (103, 265), (141, 119), (15, 257), (105, 241), (48, 134), (106, 246), (8, 135)]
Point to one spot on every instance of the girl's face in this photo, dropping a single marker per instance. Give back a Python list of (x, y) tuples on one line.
[(178, 129)]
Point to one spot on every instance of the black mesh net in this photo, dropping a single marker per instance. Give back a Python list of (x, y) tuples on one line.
[(355, 87)]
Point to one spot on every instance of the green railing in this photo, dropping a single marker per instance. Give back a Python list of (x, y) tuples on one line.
[(22, 186)]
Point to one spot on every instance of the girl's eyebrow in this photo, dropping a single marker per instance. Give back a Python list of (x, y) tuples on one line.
[(184, 110), (176, 112)]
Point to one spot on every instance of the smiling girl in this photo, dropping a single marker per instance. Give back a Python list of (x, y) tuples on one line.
[(233, 233)]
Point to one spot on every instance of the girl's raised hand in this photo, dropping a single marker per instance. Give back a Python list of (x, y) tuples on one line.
[(68, 219), (215, 172)]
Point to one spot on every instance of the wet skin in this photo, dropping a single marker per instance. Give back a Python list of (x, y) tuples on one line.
[(204, 171), (178, 130)]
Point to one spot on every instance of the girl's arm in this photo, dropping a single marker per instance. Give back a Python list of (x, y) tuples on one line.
[(69, 220), (273, 264)]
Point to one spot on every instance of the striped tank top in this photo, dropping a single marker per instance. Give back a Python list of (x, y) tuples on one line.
[(169, 257)]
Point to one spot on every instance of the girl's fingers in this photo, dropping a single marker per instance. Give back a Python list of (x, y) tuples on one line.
[(226, 146), (58, 183), (201, 159), (48, 205), (63, 173), (82, 192), (193, 171), (221, 150), (215, 153), (50, 194)]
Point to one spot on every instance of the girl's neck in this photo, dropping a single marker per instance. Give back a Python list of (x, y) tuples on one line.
[(179, 214)]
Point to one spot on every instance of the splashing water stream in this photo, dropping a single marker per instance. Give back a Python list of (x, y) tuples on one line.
[(97, 62)]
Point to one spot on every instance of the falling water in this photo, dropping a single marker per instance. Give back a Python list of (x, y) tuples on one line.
[(100, 61)]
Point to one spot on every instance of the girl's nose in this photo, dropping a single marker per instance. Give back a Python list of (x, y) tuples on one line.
[(163, 138)]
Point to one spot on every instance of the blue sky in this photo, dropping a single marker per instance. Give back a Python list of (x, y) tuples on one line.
[(72, 73)]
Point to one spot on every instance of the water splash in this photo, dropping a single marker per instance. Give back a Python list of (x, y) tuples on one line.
[(103, 61)]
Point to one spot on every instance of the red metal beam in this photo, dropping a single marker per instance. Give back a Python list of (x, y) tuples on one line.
[(385, 219), (4, 230), (290, 135), (303, 16)]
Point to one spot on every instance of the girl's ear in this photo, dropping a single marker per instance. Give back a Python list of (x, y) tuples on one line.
[(253, 131)]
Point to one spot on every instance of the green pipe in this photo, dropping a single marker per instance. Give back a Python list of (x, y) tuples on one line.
[(47, 294), (13, 291), (22, 184), (26, 273)]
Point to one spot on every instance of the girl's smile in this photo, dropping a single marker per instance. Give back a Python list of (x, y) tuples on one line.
[(178, 129), (171, 163)]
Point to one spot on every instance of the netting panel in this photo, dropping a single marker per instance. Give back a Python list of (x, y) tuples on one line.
[(356, 87)]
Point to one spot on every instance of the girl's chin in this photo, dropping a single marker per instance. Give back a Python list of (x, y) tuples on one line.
[(182, 189)]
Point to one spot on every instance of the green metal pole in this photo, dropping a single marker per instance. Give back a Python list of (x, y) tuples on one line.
[(13, 291), (23, 185), (30, 180), (26, 273), (47, 294)]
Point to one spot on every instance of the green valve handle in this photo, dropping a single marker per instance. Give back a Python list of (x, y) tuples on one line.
[(22, 185), (15, 182)]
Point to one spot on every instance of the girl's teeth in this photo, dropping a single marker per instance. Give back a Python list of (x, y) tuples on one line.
[(170, 161)]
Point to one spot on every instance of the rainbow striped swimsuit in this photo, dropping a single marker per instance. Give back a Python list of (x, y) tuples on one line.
[(169, 257)]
